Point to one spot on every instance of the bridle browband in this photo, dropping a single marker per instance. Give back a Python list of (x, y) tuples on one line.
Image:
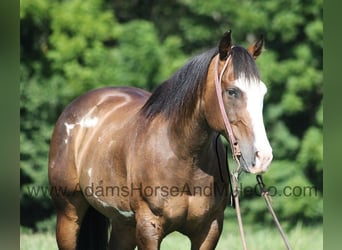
[(236, 156)]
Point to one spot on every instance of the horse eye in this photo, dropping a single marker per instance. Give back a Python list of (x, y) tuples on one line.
[(232, 92)]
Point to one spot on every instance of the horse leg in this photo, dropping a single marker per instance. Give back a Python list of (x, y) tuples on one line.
[(122, 236), (149, 229), (70, 214), (207, 237)]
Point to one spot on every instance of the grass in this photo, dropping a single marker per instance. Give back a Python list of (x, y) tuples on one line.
[(257, 237)]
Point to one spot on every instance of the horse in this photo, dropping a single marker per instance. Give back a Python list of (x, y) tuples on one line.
[(133, 166)]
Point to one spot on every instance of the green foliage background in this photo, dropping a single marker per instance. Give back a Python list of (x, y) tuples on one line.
[(71, 46)]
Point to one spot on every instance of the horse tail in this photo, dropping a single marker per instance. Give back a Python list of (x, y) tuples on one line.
[(93, 234)]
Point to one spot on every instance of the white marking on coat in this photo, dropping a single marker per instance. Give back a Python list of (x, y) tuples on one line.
[(68, 127), (88, 122), (103, 203), (126, 214), (52, 165)]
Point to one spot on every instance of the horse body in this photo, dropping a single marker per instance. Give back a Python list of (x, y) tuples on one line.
[(135, 166), (148, 167)]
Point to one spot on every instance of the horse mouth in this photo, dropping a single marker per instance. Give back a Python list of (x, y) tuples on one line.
[(257, 166), (254, 170)]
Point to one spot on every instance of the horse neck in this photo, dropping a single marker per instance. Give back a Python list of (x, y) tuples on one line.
[(193, 136), (196, 132)]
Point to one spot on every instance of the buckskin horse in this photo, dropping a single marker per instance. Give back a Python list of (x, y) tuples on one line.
[(136, 166)]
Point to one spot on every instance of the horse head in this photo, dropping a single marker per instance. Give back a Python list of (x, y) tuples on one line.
[(242, 93)]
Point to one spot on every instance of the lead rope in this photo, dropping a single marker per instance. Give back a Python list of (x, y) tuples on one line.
[(236, 156), (237, 205), (265, 194)]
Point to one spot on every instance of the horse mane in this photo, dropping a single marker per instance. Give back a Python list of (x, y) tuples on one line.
[(176, 98)]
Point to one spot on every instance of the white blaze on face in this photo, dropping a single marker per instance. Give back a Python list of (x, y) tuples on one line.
[(255, 92)]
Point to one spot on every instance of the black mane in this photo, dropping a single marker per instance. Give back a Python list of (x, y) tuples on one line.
[(177, 97), (244, 64)]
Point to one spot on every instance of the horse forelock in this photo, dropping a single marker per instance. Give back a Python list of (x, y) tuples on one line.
[(244, 65)]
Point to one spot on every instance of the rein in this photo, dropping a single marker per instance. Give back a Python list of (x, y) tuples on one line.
[(266, 196), (236, 156)]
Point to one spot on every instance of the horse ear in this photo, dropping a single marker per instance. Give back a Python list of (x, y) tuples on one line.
[(256, 48), (225, 45)]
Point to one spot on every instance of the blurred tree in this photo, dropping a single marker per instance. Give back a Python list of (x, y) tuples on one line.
[(69, 47)]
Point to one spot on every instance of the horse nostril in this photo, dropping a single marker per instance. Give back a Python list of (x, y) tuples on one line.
[(257, 156), (254, 160)]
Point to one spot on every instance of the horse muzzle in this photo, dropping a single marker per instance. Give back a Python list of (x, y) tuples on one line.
[(262, 162), (255, 161)]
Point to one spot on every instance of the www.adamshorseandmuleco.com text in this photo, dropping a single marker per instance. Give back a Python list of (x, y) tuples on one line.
[(133, 189)]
